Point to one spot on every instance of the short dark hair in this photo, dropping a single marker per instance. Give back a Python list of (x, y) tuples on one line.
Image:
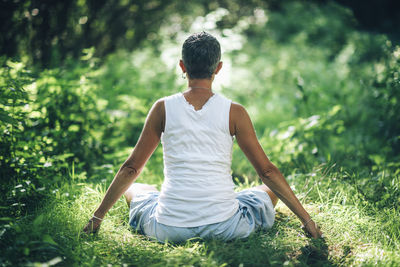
[(201, 54)]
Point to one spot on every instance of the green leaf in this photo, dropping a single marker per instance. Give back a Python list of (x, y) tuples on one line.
[(38, 221), (48, 239), (4, 117)]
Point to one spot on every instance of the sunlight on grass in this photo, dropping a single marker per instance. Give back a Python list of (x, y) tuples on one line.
[(324, 99), (351, 237)]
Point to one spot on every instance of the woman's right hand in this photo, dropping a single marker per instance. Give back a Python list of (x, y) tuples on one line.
[(312, 229), (92, 226)]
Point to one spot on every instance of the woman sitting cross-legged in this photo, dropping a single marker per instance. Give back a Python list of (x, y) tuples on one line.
[(197, 129)]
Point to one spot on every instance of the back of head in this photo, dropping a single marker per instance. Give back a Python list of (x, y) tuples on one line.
[(201, 54)]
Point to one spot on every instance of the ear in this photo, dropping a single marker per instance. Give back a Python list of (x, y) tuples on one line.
[(218, 67), (182, 66)]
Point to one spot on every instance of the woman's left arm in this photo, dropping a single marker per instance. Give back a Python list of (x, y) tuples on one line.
[(130, 170)]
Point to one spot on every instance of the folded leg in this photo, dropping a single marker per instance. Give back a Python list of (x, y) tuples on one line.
[(263, 187), (137, 188)]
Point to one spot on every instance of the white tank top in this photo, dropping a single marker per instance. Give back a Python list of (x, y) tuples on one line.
[(197, 145)]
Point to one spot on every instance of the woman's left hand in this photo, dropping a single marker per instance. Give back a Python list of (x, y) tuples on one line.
[(92, 226), (313, 230)]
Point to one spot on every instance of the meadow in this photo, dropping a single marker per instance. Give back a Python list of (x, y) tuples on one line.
[(324, 99)]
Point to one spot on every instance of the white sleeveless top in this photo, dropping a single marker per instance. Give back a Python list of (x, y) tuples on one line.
[(197, 145)]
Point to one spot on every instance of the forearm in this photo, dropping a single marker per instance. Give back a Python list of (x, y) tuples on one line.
[(273, 178), (122, 180)]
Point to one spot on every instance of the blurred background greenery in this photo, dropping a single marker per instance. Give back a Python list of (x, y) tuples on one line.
[(320, 80)]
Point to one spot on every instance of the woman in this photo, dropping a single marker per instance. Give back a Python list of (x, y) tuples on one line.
[(197, 129)]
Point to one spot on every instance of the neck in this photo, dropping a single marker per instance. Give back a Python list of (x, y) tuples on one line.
[(200, 84)]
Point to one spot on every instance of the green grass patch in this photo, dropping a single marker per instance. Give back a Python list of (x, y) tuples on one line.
[(354, 235)]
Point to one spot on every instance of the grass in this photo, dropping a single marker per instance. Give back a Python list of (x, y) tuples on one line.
[(355, 235)]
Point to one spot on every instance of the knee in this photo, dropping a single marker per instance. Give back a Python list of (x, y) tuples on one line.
[(137, 187)]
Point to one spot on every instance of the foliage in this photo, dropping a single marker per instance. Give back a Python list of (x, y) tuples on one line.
[(318, 93), (48, 33), (72, 119), (52, 126), (324, 99), (383, 100)]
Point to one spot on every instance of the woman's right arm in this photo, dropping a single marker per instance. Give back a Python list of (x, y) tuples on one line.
[(242, 127), (132, 167)]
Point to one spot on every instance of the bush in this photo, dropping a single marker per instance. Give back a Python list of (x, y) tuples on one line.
[(53, 126)]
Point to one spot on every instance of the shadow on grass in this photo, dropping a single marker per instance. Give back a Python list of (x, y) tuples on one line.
[(257, 251), (315, 254), (280, 245)]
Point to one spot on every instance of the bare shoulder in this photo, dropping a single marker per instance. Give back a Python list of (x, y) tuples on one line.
[(237, 109), (159, 111), (159, 104), (237, 114), (158, 108)]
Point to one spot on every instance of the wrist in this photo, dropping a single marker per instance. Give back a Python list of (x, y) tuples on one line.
[(98, 215), (95, 218), (305, 218), (307, 222)]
